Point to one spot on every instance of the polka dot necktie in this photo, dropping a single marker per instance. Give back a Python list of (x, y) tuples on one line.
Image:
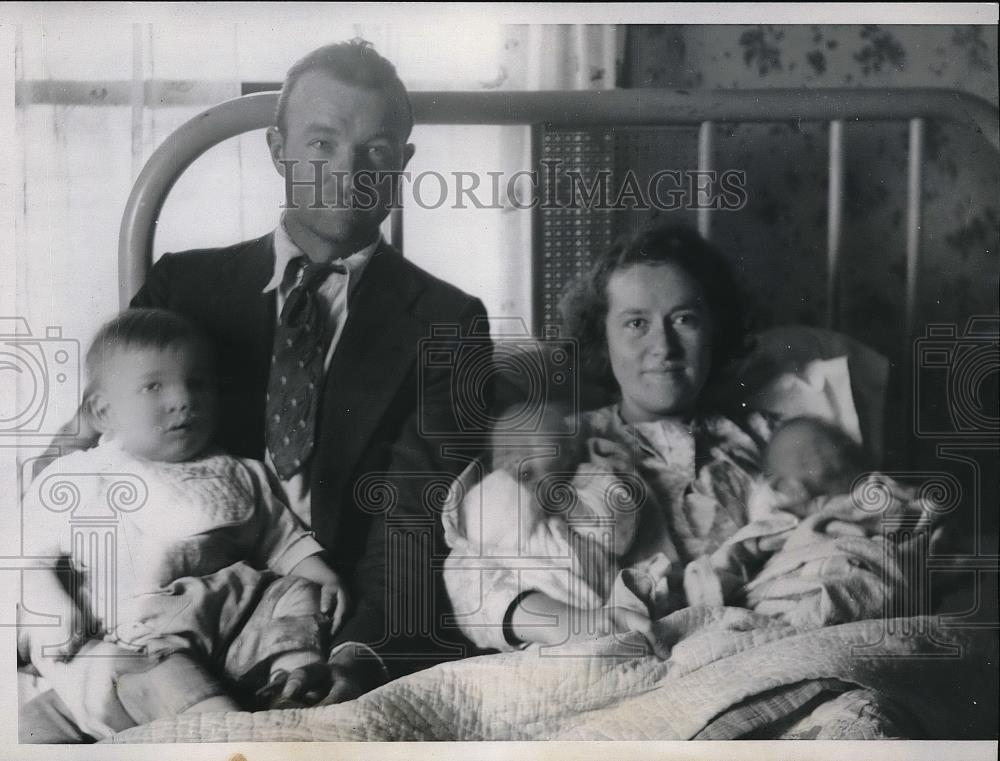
[(297, 370)]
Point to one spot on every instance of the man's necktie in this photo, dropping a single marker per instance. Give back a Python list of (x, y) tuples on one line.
[(296, 378)]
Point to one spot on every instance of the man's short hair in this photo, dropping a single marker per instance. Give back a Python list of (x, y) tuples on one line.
[(356, 63)]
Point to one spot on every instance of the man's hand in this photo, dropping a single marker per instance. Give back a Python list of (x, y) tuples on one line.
[(304, 685), (353, 674), (345, 676)]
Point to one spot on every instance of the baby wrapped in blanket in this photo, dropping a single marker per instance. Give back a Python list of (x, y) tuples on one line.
[(598, 515), (825, 544)]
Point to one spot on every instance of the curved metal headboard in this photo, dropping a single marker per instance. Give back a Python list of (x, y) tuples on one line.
[(166, 165), (573, 109)]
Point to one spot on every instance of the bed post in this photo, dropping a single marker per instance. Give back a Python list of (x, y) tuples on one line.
[(835, 208), (914, 220)]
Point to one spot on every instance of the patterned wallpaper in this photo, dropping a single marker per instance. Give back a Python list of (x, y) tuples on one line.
[(778, 241)]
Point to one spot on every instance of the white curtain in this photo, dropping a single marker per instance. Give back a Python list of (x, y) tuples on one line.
[(487, 251), (544, 57), (572, 56)]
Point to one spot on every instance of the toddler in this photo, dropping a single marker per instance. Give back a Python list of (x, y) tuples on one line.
[(181, 613)]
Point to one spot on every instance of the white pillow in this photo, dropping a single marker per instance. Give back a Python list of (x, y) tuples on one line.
[(799, 370), (821, 389)]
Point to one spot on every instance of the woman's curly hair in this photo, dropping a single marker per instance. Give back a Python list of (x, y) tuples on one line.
[(584, 305)]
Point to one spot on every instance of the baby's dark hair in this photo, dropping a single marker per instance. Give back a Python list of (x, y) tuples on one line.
[(137, 329), (841, 460), (832, 431)]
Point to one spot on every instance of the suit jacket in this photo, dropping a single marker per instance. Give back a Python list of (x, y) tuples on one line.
[(384, 420)]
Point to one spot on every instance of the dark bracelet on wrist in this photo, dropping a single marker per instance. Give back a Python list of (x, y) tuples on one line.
[(508, 621)]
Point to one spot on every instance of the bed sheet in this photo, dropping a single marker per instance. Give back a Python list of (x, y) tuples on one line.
[(877, 678)]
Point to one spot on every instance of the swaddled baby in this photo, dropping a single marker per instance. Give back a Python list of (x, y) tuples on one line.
[(806, 458), (575, 495), (815, 552), (565, 470)]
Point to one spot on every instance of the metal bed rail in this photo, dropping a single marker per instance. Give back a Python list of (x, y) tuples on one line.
[(617, 108)]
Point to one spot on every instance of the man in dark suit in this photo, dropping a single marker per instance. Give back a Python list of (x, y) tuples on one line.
[(373, 404)]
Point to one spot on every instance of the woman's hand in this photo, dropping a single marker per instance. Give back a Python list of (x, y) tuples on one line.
[(572, 624), (743, 554), (620, 620)]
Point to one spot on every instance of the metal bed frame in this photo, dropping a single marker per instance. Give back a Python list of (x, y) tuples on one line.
[(619, 108), (569, 110)]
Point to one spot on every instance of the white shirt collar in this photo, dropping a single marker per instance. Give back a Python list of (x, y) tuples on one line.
[(285, 250)]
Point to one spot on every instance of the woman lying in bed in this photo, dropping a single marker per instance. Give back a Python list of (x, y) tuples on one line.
[(645, 503)]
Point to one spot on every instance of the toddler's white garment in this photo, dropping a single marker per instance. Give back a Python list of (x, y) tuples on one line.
[(138, 525)]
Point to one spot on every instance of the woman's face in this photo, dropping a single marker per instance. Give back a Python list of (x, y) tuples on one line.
[(659, 333)]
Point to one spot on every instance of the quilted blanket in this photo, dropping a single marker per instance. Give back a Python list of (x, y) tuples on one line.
[(731, 673)]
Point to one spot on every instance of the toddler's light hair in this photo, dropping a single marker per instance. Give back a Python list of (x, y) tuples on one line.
[(136, 329)]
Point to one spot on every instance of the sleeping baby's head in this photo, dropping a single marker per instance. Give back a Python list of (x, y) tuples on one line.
[(807, 457), (151, 385), (549, 447)]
